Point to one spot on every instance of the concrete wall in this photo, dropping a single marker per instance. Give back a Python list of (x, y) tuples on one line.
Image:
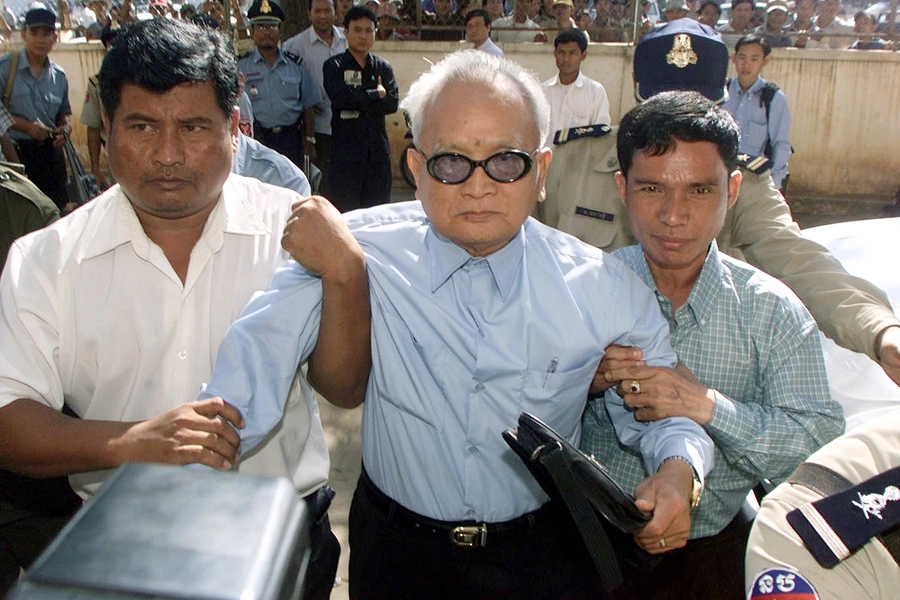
[(845, 105)]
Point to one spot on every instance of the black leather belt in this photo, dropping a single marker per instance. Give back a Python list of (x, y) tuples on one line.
[(463, 534), (279, 129)]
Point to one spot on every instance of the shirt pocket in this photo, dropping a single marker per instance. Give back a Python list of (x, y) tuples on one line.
[(549, 394), (755, 136), (289, 89)]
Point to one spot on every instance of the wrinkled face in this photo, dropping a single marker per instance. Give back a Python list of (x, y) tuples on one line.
[(776, 19), (39, 40), (480, 215), (321, 15), (360, 35), (568, 59), (749, 62), (171, 151), (709, 15), (740, 15), (476, 31), (265, 35), (676, 204), (805, 10)]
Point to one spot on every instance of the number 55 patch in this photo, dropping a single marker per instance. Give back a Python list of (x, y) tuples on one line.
[(781, 584)]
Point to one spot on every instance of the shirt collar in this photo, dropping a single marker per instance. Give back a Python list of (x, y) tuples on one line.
[(116, 223), (701, 301), (335, 31), (446, 258)]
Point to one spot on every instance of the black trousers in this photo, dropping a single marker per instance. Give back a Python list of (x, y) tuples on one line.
[(287, 141), (45, 166), (32, 512), (323, 161), (392, 559), (707, 568), (353, 185)]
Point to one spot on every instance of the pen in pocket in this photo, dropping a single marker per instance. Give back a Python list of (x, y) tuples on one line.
[(551, 368)]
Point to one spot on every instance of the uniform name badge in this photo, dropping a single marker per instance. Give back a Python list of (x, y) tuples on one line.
[(353, 78)]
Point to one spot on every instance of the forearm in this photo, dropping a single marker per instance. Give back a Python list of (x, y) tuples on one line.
[(41, 442), (340, 363), (848, 309)]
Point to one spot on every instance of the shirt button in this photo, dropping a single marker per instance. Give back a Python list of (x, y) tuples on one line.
[(473, 450), (479, 387), (182, 355), (470, 513)]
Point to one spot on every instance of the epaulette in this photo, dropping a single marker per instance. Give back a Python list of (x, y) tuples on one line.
[(835, 527), (754, 164), (293, 57), (567, 135)]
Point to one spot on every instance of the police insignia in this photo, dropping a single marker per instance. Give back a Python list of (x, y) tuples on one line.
[(782, 584), (681, 54), (265, 8)]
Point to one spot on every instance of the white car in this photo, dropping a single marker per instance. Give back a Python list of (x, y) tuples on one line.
[(867, 249)]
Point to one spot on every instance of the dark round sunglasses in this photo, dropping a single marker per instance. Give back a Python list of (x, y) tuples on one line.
[(503, 167)]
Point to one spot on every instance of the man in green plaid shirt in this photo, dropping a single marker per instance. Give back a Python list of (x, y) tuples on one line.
[(751, 368)]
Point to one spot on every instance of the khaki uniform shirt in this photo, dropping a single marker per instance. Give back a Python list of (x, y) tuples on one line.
[(23, 209)]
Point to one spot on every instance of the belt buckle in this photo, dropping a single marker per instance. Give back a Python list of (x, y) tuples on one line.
[(469, 536), (277, 130)]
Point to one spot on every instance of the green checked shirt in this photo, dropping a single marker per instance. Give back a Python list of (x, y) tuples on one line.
[(746, 335)]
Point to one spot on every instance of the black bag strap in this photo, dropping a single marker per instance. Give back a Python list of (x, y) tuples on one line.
[(10, 78), (765, 99), (586, 520)]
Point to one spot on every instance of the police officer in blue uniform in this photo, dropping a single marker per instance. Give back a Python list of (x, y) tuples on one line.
[(281, 89), (39, 104)]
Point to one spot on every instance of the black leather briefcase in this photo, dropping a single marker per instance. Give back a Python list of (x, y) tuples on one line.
[(165, 532)]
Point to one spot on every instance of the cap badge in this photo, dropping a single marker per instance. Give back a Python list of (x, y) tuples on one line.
[(265, 8), (681, 54)]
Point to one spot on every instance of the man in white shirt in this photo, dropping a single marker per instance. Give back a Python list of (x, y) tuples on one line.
[(316, 44), (518, 27), (575, 100), (478, 31), (118, 310)]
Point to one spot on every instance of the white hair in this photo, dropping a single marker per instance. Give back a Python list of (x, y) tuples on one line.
[(468, 67)]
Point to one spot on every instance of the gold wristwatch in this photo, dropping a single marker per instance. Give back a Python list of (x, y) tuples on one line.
[(696, 485)]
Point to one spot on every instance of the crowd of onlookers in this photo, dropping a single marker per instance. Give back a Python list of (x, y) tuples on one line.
[(856, 24)]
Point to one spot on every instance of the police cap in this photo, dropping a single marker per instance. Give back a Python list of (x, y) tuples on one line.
[(40, 17), (265, 11), (681, 55)]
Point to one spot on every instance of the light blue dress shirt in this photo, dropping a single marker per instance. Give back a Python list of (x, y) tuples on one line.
[(280, 93), (747, 336), (461, 346), (42, 98), (261, 162), (314, 52), (750, 114)]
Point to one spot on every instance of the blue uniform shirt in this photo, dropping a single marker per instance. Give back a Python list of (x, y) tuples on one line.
[(42, 98), (461, 346), (261, 162), (279, 93), (750, 114)]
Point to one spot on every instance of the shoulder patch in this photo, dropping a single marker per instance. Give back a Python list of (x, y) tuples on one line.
[(293, 57), (754, 164), (781, 584), (567, 135)]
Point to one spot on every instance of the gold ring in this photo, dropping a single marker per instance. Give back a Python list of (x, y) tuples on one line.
[(662, 542), (635, 387)]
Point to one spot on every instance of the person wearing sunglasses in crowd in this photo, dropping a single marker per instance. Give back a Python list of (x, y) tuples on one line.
[(478, 313)]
